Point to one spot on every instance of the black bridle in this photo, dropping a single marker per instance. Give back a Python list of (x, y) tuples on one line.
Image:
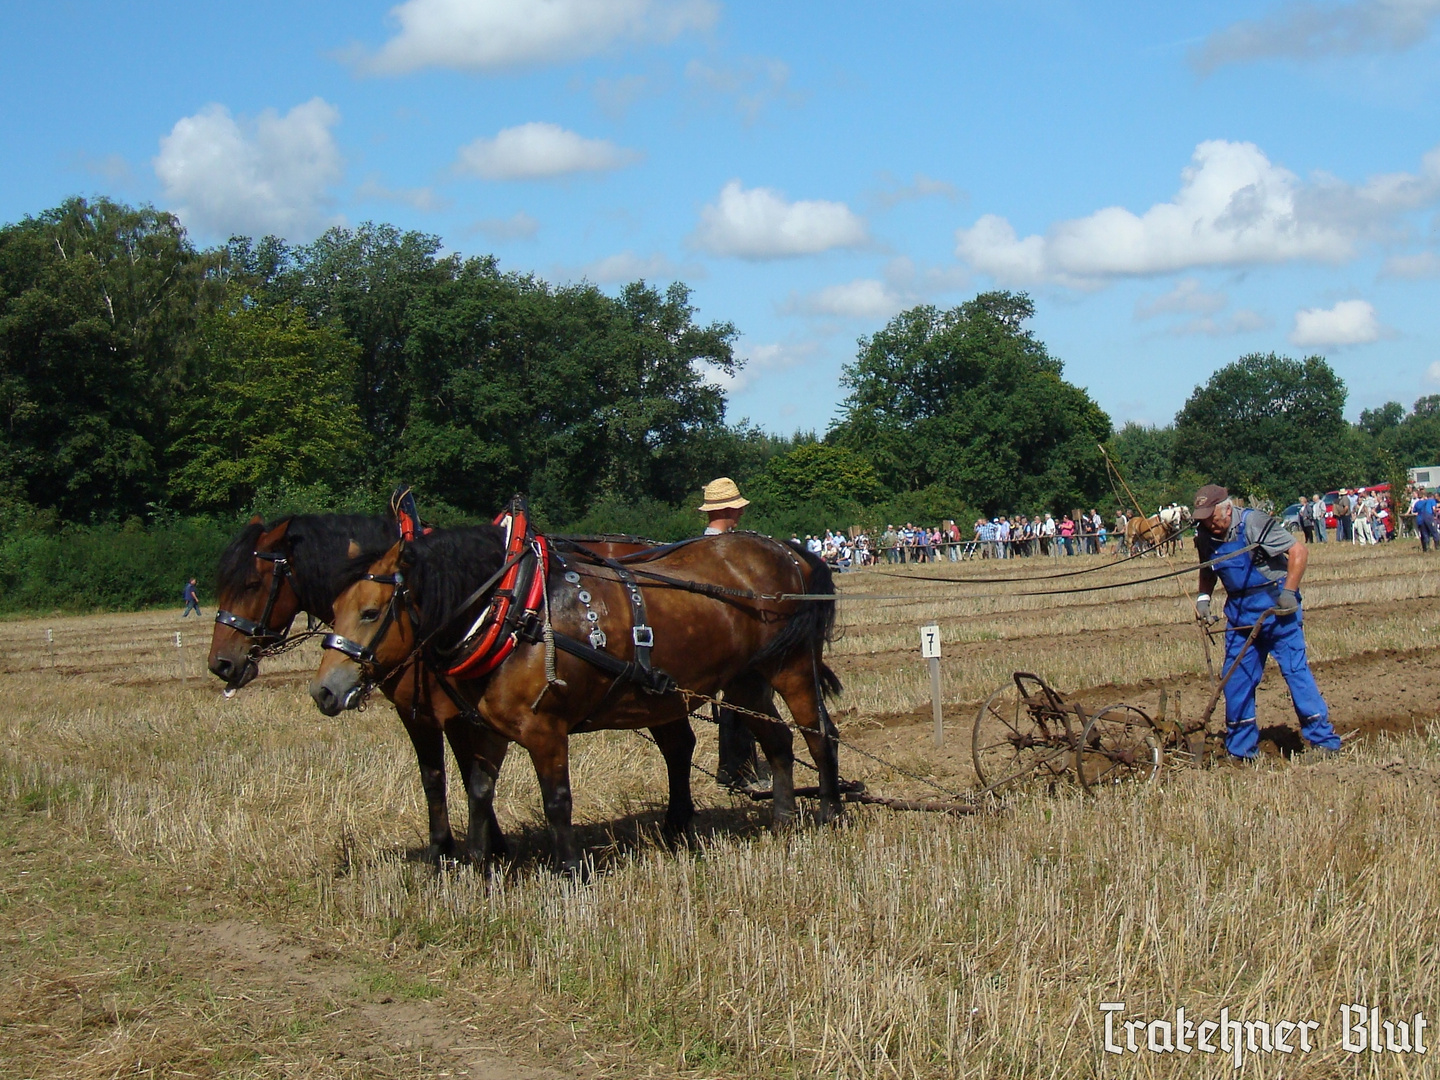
[(364, 655), (263, 639)]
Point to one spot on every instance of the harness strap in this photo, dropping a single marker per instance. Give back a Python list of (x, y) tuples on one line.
[(652, 680)]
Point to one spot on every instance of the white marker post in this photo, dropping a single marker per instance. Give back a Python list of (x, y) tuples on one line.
[(50, 645), (930, 650), (180, 655)]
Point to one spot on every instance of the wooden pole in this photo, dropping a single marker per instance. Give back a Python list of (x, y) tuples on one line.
[(930, 649)]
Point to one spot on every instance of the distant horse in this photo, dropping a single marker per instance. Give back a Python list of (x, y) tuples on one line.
[(706, 615), (1160, 532)]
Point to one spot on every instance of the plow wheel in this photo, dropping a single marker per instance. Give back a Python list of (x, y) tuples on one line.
[(1017, 736), (1119, 745)]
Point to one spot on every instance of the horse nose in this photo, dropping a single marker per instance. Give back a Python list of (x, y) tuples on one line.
[(325, 698), (222, 668)]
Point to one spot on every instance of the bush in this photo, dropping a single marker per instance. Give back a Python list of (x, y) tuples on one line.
[(108, 567)]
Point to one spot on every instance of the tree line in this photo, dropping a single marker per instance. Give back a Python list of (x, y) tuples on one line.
[(148, 385)]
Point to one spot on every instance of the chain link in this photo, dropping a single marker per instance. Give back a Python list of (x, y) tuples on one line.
[(690, 695)]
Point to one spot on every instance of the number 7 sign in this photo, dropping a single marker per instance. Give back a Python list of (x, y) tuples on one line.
[(930, 642)]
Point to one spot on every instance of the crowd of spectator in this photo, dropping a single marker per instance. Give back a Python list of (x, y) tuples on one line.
[(1367, 516), (1004, 536), (1358, 516)]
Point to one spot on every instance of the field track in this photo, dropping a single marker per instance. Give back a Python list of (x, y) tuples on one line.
[(194, 886)]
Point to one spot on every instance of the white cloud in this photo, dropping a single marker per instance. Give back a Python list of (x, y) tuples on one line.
[(1187, 297), (422, 198), (1433, 372), (1425, 264), (1306, 30), (492, 35), (518, 226), (1234, 208), (1349, 322), (1238, 322), (760, 360), (920, 187), (753, 84), (628, 266), (112, 168), (269, 175), (760, 224), (863, 298), (540, 151)]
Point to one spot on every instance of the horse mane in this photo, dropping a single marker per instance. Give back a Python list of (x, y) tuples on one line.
[(444, 568), (810, 628), (237, 562), (318, 546)]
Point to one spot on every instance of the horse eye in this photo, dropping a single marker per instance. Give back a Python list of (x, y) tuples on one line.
[(370, 614)]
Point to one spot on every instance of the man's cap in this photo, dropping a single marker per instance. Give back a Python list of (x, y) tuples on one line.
[(1206, 499), (722, 494)]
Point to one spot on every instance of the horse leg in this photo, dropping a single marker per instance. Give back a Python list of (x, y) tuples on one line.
[(479, 752), (751, 692), (552, 769), (677, 743), (429, 744), (796, 683)]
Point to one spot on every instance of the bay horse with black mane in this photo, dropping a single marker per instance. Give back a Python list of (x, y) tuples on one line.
[(269, 574), (739, 612)]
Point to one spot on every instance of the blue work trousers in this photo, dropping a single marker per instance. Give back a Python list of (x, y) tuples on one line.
[(1284, 639)]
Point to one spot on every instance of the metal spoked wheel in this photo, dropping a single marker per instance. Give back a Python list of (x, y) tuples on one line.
[(1013, 740), (1119, 745)]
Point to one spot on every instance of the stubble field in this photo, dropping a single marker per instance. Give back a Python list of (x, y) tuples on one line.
[(195, 886)]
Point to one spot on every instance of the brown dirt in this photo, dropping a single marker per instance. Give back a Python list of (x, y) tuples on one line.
[(377, 1028)]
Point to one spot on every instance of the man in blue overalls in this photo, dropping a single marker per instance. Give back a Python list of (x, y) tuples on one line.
[(1256, 580)]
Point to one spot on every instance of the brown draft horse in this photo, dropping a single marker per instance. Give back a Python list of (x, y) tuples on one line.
[(744, 634), (268, 575), (1159, 531)]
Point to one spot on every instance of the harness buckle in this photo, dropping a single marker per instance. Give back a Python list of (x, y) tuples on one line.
[(643, 636)]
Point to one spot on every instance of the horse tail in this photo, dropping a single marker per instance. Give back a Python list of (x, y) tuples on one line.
[(810, 629), (830, 685)]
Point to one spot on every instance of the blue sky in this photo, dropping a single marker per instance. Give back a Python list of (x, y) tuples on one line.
[(1174, 188)]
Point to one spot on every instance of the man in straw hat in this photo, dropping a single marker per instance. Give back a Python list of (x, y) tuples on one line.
[(1262, 577), (723, 507)]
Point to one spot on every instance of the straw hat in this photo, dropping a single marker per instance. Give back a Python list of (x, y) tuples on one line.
[(722, 494)]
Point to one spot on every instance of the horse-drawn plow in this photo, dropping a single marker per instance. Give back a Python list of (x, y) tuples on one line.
[(1027, 731)]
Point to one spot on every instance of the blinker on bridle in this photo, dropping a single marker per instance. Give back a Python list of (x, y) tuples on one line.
[(365, 654)]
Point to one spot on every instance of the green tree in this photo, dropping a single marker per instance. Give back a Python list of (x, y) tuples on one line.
[(819, 472), (98, 307), (1383, 418), (1270, 427), (971, 400), (268, 404), (1145, 458)]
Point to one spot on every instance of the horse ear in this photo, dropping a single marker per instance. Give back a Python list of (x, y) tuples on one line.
[(354, 550), (257, 520), (407, 556)]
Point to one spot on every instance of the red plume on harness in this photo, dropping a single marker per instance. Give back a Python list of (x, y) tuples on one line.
[(407, 514), (494, 634)]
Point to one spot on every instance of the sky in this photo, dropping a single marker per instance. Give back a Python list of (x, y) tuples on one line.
[(1174, 187)]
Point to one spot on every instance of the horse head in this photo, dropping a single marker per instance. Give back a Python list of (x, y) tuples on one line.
[(257, 602), (374, 633)]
